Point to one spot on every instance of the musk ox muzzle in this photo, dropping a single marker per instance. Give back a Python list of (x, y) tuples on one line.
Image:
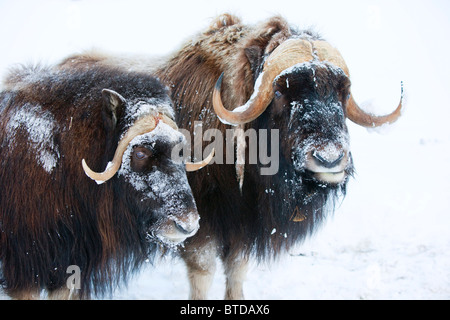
[(328, 162)]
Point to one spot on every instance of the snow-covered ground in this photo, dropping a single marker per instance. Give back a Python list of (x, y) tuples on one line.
[(390, 238)]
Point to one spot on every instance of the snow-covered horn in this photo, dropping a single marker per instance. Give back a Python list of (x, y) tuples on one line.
[(287, 54)]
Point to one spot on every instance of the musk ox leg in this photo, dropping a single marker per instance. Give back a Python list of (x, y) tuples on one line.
[(201, 265), (235, 268)]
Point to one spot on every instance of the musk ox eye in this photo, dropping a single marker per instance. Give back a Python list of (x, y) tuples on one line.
[(278, 94), (140, 159), (141, 153)]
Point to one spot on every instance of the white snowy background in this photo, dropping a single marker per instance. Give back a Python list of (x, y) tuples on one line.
[(390, 238)]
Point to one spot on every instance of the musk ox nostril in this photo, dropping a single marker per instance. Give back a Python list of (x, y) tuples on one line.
[(183, 228), (326, 159)]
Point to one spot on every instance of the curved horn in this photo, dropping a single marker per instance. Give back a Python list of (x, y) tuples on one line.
[(365, 119), (194, 166), (141, 126), (286, 55), (326, 52)]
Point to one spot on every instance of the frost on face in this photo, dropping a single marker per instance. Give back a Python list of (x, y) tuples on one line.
[(40, 126), (157, 184), (329, 152), (140, 108), (309, 65), (164, 187), (331, 138), (330, 149)]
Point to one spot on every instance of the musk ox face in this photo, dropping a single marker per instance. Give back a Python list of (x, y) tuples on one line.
[(154, 184), (309, 103), (157, 186)]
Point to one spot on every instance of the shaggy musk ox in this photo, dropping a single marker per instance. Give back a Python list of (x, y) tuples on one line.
[(280, 78), (55, 125)]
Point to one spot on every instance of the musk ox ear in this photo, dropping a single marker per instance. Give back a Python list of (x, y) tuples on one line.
[(113, 106)]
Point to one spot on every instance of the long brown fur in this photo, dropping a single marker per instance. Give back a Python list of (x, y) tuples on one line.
[(226, 46), (52, 219)]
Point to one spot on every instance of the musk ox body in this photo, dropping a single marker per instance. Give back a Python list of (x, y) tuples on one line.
[(277, 78), (52, 215)]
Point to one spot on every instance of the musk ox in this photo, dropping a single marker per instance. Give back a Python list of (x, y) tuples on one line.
[(286, 83), (279, 78), (55, 125)]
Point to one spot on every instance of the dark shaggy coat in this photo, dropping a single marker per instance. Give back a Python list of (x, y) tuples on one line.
[(52, 215), (258, 220)]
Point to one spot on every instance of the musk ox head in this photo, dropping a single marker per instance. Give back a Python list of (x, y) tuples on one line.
[(142, 169), (309, 100), (304, 88)]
